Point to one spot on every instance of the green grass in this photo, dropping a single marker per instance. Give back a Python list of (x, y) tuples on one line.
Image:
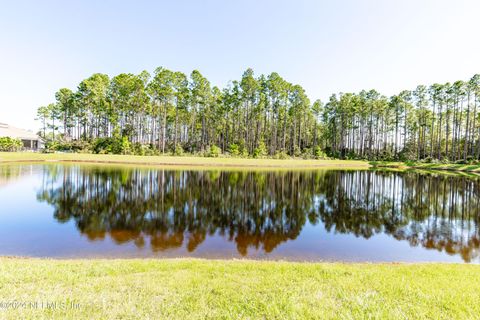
[(181, 161), (450, 167), (427, 166), (199, 289)]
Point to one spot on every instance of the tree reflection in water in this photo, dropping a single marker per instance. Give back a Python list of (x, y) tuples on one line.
[(261, 210)]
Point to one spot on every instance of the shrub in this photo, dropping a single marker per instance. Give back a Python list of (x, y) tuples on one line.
[(297, 152), (213, 151), (113, 145), (260, 151), (234, 149), (319, 154), (281, 155), (408, 152), (178, 151), (140, 149), (103, 145), (152, 151), (69, 146), (428, 159), (50, 146), (243, 149), (386, 155), (10, 144), (125, 146), (244, 153), (307, 153)]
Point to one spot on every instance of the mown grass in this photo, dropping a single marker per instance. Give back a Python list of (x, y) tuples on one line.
[(450, 167), (199, 289), (181, 161), (427, 166)]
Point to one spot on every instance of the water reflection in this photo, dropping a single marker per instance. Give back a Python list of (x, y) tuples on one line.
[(165, 209), (11, 173)]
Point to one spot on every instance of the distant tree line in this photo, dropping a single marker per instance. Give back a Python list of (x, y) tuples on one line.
[(168, 112), (436, 122)]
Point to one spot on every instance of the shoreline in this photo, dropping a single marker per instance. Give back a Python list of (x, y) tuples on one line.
[(185, 162), (182, 161), (216, 259), (446, 167), (225, 163)]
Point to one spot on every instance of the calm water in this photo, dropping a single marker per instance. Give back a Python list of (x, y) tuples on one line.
[(103, 211)]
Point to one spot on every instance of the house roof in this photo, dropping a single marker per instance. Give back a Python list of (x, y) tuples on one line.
[(13, 132)]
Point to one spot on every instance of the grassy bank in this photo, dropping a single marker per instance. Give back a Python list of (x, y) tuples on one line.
[(198, 289), (191, 161), (428, 166), (181, 161)]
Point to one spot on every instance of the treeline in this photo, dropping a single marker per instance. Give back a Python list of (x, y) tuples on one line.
[(168, 112), (437, 122)]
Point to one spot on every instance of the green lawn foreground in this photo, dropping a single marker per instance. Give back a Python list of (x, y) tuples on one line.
[(199, 289)]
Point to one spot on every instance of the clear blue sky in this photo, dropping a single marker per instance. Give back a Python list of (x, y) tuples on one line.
[(325, 46)]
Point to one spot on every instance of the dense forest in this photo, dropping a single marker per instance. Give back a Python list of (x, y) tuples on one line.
[(169, 112)]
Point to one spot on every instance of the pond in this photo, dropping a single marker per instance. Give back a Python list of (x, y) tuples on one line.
[(66, 210)]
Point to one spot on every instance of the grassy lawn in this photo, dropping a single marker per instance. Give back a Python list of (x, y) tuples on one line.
[(198, 289), (191, 161), (450, 167), (181, 161), (428, 166)]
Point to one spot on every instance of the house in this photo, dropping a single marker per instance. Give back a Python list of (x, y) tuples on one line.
[(30, 140)]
